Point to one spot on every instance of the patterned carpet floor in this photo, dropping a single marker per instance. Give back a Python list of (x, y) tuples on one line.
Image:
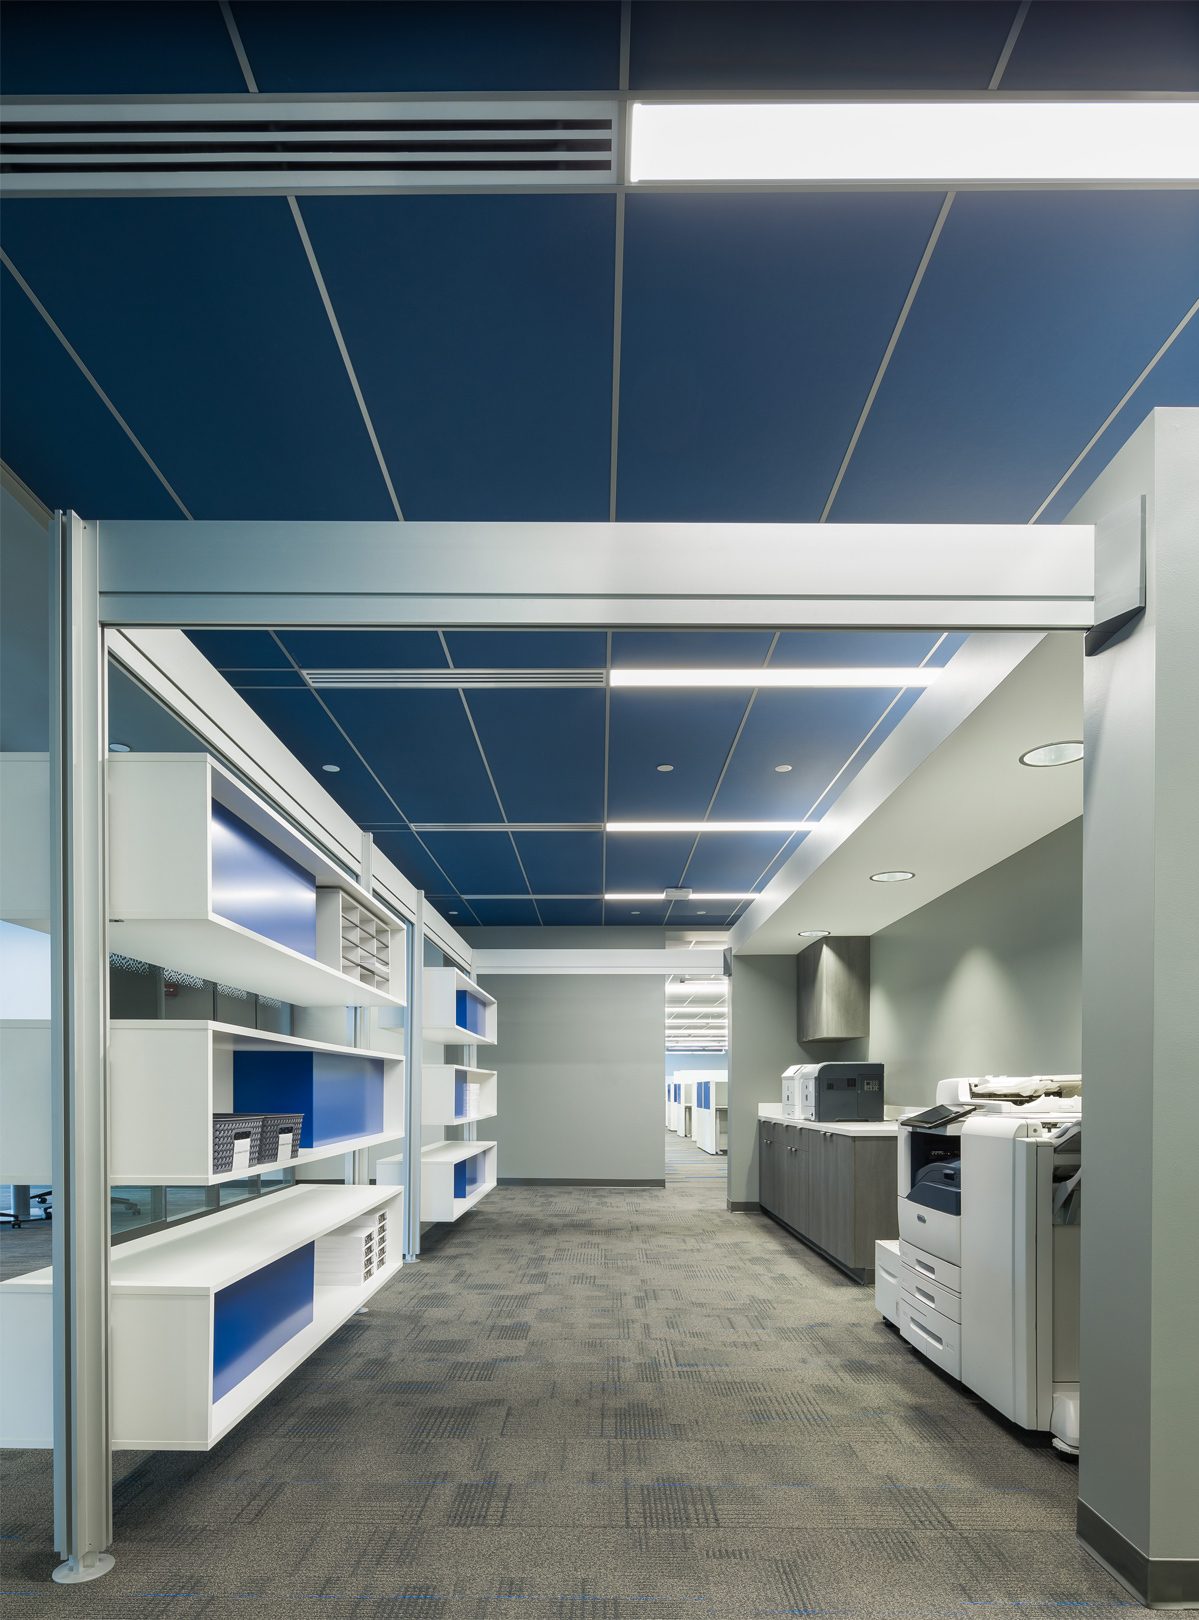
[(591, 1404)]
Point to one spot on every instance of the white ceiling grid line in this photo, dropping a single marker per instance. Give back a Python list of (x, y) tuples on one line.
[(91, 379), (247, 71)]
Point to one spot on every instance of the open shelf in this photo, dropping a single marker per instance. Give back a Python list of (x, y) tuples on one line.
[(166, 1311), (457, 1012), (452, 1094), (449, 1184), (168, 1077), (205, 877)]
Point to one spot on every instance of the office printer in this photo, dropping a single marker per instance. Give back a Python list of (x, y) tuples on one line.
[(990, 1220), (833, 1091)]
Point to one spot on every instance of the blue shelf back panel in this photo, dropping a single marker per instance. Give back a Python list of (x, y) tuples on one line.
[(703, 1093), (678, 1091), (468, 1173), (256, 885), (461, 1093), (340, 1096), (258, 1314), (471, 1013)]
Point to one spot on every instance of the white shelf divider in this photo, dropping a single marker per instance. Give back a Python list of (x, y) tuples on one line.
[(438, 1199), (439, 1094), (168, 1077), (164, 1292)]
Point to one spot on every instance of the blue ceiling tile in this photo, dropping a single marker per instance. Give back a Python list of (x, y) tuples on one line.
[(350, 46), (1035, 316), (478, 862), (1112, 45), (561, 862), (402, 846), (736, 46), (505, 914), (56, 433), (365, 649), (546, 751), (201, 320), (90, 48), (481, 332), (527, 649), (644, 863), (731, 861), (689, 649), (752, 329), (1174, 380), (423, 750), (301, 724), (255, 680), (692, 731), (240, 649), (572, 913), (645, 914)]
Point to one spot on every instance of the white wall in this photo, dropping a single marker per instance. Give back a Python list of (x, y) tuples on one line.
[(987, 979)]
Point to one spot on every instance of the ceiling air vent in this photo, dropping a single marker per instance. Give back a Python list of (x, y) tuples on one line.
[(423, 680), (259, 144)]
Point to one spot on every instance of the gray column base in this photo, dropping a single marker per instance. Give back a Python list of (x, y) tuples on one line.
[(1160, 1583)]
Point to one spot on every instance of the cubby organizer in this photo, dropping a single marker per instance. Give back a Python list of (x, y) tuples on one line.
[(453, 1095), (169, 1078), (207, 1319), (457, 1012), (206, 877), (454, 1177)]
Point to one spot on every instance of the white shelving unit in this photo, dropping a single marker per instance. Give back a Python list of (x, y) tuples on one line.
[(166, 908), (442, 1085), (443, 987), (166, 1316), (167, 1078), (439, 1161)]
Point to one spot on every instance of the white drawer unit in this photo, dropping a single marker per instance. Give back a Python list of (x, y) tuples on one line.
[(937, 1337), (886, 1279), (923, 1291), (930, 1266), (931, 1229)]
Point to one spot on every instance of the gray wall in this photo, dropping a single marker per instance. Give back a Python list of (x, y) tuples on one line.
[(988, 978), (580, 1066)]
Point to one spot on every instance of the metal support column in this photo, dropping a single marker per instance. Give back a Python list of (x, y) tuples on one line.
[(414, 1033), (79, 1025)]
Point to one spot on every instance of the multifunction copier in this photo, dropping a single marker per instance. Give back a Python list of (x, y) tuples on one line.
[(990, 1213), (833, 1091)]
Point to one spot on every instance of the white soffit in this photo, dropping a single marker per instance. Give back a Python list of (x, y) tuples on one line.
[(944, 798)]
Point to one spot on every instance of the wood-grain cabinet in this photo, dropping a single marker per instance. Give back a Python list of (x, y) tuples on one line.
[(836, 1192)]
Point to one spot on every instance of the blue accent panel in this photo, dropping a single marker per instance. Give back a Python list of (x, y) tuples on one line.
[(546, 751), (423, 750), (562, 862), (339, 1096), (201, 319), (1076, 289), (365, 649), (527, 649), (258, 1314), (814, 732), (461, 1099), (468, 1174), (644, 863), (470, 1012), (692, 731), (738, 45), (302, 724), (260, 887), (486, 356), (57, 435), (795, 296), (1116, 45), (239, 649), (388, 47), (689, 649), (114, 49), (1174, 380), (478, 862)]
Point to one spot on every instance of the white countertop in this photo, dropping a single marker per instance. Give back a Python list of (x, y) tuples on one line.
[(881, 1127)]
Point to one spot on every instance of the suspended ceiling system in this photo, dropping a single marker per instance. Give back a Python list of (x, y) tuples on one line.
[(570, 349)]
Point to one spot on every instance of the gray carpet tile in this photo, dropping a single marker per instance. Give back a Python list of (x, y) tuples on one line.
[(591, 1404)]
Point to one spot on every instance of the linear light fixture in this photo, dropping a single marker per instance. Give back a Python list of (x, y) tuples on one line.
[(887, 678), (693, 894), (951, 143), (707, 827)]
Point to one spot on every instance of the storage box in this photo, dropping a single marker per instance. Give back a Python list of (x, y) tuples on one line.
[(236, 1140), (280, 1138)]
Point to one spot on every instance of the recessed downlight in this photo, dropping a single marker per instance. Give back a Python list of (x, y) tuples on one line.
[(814, 933), (781, 770), (665, 769), (119, 748), (1054, 753), (332, 769), (891, 877)]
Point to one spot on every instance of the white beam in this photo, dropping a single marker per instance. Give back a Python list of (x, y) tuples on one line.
[(598, 960)]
